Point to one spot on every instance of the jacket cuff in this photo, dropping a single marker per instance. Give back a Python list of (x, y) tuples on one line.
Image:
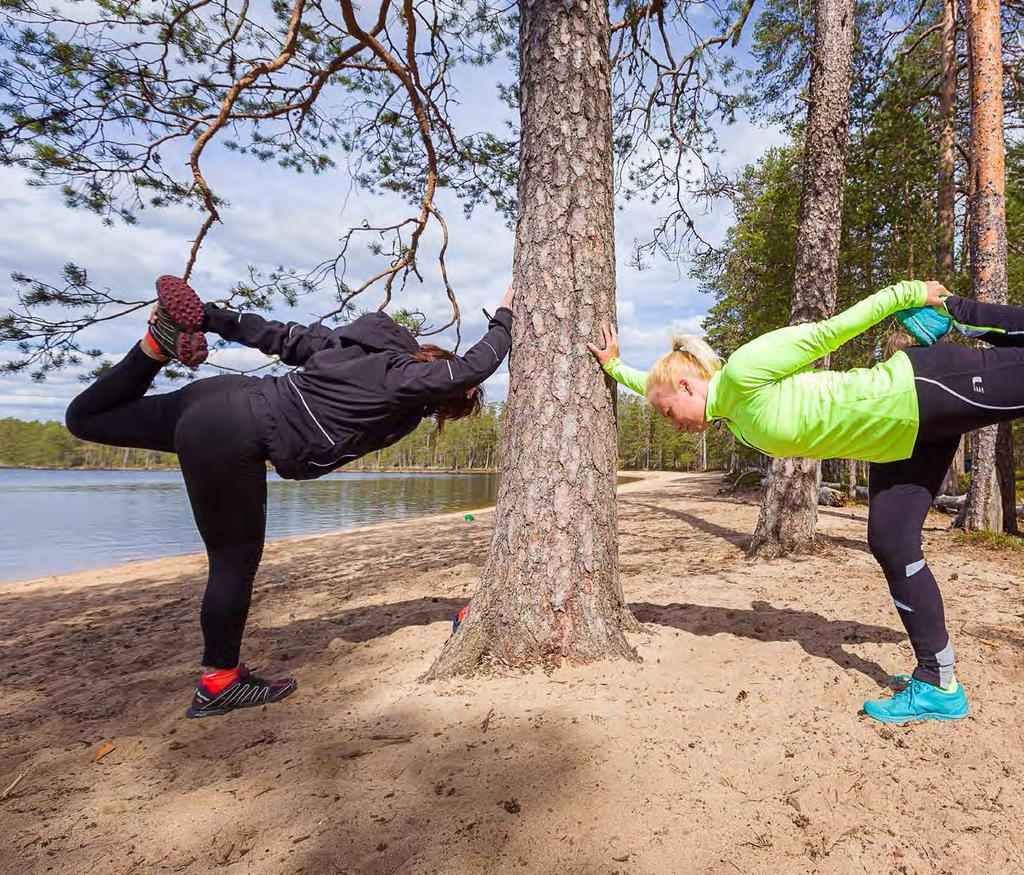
[(503, 316), (217, 318)]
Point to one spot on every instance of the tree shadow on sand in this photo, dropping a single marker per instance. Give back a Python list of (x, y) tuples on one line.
[(817, 635), (743, 539), (734, 537)]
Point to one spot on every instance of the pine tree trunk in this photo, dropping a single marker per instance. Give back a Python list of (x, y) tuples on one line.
[(789, 512), (946, 200), (1007, 475), (988, 227), (951, 485), (550, 591)]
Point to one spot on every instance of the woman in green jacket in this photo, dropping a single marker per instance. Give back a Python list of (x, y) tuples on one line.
[(905, 415)]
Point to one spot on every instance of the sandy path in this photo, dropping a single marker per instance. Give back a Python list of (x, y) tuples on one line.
[(735, 746)]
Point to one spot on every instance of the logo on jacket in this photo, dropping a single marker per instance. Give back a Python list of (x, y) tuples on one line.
[(976, 385)]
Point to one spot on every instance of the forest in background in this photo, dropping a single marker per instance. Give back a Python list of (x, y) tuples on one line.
[(646, 442)]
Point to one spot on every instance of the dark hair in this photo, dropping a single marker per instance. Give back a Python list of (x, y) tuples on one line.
[(466, 403)]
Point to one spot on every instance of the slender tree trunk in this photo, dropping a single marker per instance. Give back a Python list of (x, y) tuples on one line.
[(789, 512), (851, 479), (909, 219), (988, 227), (946, 200), (951, 485), (1006, 471), (550, 590)]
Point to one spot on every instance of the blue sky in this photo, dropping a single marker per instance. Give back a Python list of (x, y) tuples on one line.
[(276, 217)]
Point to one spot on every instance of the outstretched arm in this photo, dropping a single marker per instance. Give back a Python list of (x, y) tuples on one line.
[(614, 367), (998, 324), (291, 342), (413, 380), (780, 353)]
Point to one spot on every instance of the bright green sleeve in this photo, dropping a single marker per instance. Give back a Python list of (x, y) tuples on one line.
[(631, 378), (780, 353)]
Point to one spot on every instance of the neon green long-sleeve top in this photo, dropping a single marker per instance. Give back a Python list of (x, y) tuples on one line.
[(773, 401)]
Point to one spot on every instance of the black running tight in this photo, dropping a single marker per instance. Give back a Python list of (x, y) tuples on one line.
[(959, 389), (210, 425)]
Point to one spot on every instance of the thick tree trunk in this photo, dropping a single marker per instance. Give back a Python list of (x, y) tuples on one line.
[(946, 200), (789, 512), (550, 590), (988, 226)]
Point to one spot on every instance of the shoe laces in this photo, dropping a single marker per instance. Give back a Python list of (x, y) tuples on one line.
[(906, 687)]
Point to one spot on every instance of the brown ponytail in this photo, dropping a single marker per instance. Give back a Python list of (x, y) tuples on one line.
[(462, 404), (895, 342)]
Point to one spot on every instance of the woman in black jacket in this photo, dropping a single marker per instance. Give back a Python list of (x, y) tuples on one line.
[(353, 390)]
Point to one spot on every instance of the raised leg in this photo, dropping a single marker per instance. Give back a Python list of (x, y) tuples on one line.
[(115, 410)]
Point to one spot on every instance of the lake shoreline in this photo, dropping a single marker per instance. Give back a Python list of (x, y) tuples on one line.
[(70, 521), (385, 470), (162, 564)]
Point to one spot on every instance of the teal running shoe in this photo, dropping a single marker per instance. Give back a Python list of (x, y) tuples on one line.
[(925, 324), (920, 701)]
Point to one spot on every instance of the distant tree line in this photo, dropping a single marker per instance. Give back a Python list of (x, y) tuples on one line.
[(51, 445), (646, 442)]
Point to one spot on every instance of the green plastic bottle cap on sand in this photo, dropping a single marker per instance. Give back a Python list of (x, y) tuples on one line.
[(468, 517)]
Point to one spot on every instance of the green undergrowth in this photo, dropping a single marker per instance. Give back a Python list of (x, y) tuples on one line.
[(995, 541)]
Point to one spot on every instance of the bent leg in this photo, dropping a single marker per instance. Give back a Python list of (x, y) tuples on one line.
[(223, 461), (900, 495), (114, 410), (998, 324)]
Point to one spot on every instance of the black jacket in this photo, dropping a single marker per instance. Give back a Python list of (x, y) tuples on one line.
[(355, 388)]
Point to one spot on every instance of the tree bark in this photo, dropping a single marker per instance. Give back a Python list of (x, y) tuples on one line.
[(946, 200), (789, 512), (951, 484), (851, 479), (988, 226), (550, 590), (1007, 476)]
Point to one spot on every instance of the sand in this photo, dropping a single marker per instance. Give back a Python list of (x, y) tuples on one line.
[(735, 746)]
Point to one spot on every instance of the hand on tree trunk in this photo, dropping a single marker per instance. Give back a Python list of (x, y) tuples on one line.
[(610, 350)]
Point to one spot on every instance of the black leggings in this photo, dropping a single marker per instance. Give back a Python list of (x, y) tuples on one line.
[(210, 425), (959, 389)]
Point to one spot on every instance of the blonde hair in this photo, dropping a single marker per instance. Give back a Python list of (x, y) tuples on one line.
[(690, 357)]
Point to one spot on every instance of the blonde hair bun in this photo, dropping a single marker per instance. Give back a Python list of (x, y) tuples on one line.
[(690, 357)]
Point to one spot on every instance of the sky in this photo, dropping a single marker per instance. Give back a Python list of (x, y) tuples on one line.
[(276, 217)]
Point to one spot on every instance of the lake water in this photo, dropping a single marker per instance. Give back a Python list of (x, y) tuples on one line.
[(54, 522)]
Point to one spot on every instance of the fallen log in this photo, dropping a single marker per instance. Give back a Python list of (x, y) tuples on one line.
[(831, 497)]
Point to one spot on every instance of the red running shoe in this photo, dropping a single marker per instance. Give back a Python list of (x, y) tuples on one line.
[(177, 328)]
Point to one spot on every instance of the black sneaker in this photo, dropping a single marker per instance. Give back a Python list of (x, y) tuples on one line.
[(248, 691), (177, 327)]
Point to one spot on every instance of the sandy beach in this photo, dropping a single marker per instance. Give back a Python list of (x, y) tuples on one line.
[(735, 746)]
